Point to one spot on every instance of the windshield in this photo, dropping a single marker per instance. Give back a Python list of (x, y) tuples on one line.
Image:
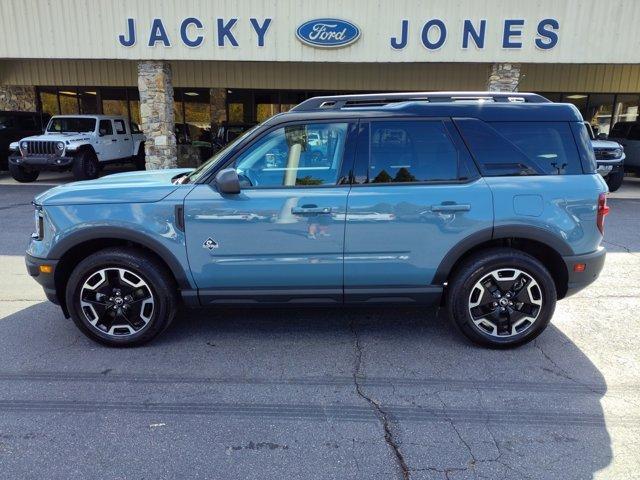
[(71, 125), (202, 169)]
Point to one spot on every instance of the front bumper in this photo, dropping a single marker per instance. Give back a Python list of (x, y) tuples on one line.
[(47, 280), (593, 263), (41, 162), (608, 167)]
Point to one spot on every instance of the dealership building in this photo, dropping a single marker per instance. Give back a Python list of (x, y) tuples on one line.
[(180, 68)]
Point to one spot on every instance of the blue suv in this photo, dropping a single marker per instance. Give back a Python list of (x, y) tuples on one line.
[(487, 202)]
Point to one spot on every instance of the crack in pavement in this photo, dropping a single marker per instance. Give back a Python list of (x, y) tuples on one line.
[(380, 413), (624, 247)]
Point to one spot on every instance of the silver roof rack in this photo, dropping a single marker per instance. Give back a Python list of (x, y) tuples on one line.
[(335, 102)]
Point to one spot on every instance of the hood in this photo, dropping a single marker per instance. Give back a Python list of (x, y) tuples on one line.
[(605, 144), (129, 187), (60, 137)]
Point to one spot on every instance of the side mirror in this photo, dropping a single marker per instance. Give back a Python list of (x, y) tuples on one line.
[(601, 136), (102, 132), (227, 181)]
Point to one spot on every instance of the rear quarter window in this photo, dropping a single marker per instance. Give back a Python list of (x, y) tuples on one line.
[(522, 148)]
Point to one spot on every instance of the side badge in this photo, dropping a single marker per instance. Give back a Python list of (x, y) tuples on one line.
[(210, 244)]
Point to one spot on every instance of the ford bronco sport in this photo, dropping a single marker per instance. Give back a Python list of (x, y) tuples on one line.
[(488, 202), (80, 143)]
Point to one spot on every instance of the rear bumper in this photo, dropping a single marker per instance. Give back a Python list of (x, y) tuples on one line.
[(41, 162), (593, 263), (45, 279)]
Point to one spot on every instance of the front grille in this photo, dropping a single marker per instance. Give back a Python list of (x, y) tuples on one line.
[(606, 153), (41, 147)]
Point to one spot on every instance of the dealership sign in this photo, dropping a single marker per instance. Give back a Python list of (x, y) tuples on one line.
[(328, 33), (432, 34)]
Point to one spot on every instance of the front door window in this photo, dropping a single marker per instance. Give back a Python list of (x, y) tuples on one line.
[(295, 156)]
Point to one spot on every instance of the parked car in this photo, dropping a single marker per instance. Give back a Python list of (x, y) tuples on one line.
[(511, 218), (627, 134), (609, 159), (13, 127), (80, 143)]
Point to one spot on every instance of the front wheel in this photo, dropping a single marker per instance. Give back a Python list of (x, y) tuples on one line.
[(86, 166), (614, 181), (501, 298), (121, 297), (23, 175)]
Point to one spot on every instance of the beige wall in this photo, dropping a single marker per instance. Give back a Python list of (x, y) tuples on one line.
[(324, 76), (590, 31)]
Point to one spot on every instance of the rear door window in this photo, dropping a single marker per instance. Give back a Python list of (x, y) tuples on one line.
[(120, 128), (522, 148), (410, 151)]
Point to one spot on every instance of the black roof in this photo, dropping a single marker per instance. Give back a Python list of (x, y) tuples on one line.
[(487, 106)]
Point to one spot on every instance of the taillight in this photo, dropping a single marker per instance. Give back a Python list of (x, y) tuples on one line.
[(603, 211)]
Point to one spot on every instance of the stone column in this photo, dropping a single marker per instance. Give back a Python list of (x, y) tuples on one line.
[(504, 77), (218, 105), (156, 112), (18, 98)]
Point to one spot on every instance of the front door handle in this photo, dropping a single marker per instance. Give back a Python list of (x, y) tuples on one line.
[(310, 209), (451, 207), (114, 139)]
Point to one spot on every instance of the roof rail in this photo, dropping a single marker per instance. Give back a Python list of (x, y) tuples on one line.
[(335, 102)]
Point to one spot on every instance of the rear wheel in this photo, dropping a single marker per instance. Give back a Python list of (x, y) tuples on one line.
[(121, 297), (501, 298), (614, 180), (139, 160), (22, 174), (86, 166)]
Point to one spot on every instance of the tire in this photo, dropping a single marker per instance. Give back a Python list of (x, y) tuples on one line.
[(532, 306), (121, 297), (139, 160), (614, 181), (22, 175), (86, 166)]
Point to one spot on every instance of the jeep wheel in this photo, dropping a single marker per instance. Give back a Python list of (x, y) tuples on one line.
[(501, 298), (21, 174), (121, 297), (139, 160), (614, 181), (85, 166)]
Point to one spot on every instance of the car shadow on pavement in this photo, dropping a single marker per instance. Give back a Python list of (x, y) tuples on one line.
[(529, 412)]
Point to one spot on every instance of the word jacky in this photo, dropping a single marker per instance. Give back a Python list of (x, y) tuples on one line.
[(191, 32)]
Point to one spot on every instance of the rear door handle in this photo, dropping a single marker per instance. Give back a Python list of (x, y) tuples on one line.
[(310, 209), (114, 139), (453, 207)]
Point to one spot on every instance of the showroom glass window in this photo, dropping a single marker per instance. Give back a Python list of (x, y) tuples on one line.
[(294, 156), (411, 151)]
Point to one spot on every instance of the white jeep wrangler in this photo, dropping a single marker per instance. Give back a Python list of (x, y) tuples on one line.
[(80, 143)]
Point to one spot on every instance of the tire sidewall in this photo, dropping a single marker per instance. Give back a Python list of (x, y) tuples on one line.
[(80, 164), (164, 304), (19, 174), (458, 298)]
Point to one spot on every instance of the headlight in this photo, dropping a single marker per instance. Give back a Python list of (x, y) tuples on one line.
[(39, 220), (60, 146), (617, 153), (24, 145)]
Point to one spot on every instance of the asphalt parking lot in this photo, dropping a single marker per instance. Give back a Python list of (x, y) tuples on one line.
[(359, 394)]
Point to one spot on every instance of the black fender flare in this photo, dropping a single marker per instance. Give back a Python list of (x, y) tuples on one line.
[(527, 232), (119, 233)]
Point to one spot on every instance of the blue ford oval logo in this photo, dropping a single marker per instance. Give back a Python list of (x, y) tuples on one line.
[(328, 33)]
